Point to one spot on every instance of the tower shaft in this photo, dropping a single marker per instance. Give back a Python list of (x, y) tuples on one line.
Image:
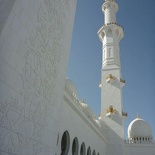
[(110, 35)]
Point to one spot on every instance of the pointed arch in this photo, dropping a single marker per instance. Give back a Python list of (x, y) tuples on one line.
[(75, 146), (109, 33), (65, 143)]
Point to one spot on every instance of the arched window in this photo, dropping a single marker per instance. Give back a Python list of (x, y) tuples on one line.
[(65, 142), (89, 151), (94, 153), (83, 149), (98, 154), (109, 33), (75, 146)]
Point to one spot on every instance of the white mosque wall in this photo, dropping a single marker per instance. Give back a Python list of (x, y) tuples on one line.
[(82, 125), (139, 149), (35, 38), (35, 111)]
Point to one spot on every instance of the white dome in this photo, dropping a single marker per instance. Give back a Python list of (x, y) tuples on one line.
[(88, 111), (70, 85), (139, 128)]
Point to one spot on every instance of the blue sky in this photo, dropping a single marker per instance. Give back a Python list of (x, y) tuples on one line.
[(137, 50)]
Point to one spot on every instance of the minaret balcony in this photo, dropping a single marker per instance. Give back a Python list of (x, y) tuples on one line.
[(110, 79), (122, 82), (114, 27), (112, 23)]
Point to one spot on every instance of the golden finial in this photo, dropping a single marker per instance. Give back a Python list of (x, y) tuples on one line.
[(83, 100), (110, 76), (138, 116), (111, 110)]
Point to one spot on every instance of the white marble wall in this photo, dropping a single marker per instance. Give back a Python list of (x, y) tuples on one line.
[(139, 149), (34, 49), (5, 9), (80, 128)]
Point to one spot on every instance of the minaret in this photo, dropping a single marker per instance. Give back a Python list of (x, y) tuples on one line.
[(112, 113)]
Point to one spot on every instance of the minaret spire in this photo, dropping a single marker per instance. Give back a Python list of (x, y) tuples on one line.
[(110, 8), (112, 113), (110, 34)]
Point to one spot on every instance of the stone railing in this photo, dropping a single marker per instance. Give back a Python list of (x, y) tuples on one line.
[(76, 101), (150, 141), (114, 24)]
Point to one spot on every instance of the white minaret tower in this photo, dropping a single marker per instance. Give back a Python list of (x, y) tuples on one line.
[(112, 113)]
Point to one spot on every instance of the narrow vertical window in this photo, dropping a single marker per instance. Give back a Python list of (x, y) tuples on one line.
[(94, 153), (89, 151), (82, 150), (103, 55), (109, 53), (65, 142), (75, 146)]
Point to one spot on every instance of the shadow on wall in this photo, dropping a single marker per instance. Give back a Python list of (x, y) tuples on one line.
[(5, 7)]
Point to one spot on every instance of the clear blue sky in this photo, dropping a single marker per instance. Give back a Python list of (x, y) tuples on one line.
[(137, 56)]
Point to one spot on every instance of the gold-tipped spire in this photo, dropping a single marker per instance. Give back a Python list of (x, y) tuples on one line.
[(138, 116), (83, 100)]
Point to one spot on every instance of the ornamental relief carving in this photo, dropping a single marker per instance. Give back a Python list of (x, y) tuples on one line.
[(23, 118)]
